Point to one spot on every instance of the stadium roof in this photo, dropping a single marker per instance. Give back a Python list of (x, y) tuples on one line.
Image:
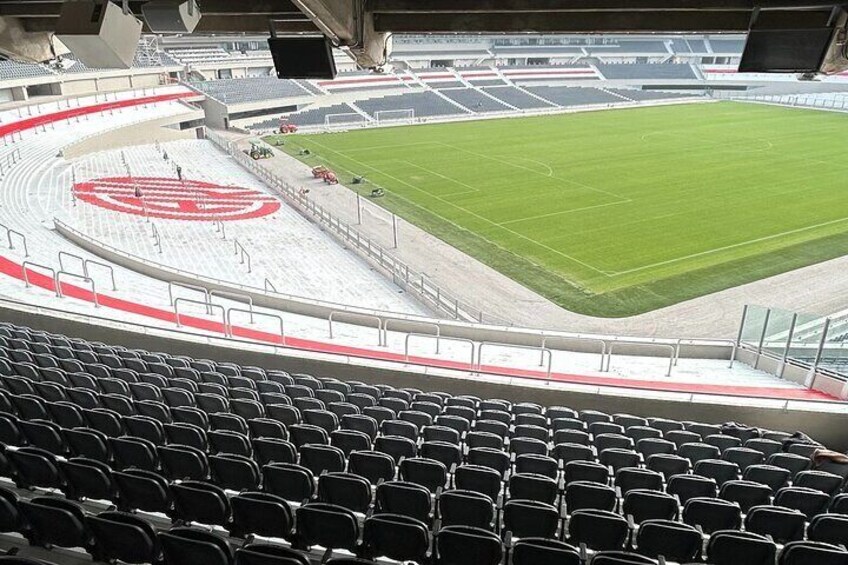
[(362, 25), (422, 16)]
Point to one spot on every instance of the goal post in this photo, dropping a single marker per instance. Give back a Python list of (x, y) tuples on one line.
[(391, 116), (351, 119)]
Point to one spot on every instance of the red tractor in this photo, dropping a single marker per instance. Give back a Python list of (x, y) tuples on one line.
[(330, 178), (286, 127)]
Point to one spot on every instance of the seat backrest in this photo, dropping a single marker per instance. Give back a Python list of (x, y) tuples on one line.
[(670, 539), (728, 547), (327, 525), (463, 545), (262, 514), (400, 538), (543, 551), (346, 490), (196, 501), (598, 529), (407, 499), (812, 553), (55, 521), (466, 508), (269, 554), (187, 546), (712, 514), (124, 536)]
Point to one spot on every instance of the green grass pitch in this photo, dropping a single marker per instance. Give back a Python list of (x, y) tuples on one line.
[(617, 212)]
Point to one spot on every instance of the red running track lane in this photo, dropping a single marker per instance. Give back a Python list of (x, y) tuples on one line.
[(15, 270), (44, 119)]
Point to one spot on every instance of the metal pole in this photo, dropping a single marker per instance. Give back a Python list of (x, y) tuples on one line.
[(820, 350), (762, 337), (742, 326), (394, 231), (358, 209), (788, 343)]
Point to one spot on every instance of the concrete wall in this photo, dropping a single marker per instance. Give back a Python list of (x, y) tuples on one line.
[(322, 310), (827, 427), (79, 87), (135, 134)]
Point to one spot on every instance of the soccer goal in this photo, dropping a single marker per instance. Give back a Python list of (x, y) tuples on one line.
[(394, 116), (341, 121)]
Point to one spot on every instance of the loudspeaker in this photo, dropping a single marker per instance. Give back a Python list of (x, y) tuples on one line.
[(171, 16), (303, 57), (99, 33)]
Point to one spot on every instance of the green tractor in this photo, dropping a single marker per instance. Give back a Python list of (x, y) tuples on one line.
[(257, 151)]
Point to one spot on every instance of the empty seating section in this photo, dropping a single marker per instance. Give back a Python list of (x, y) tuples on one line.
[(656, 46), (517, 97), (317, 116), (646, 71), (238, 91), (425, 104), (193, 453), (474, 100), (648, 95), (12, 70), (574, 96)]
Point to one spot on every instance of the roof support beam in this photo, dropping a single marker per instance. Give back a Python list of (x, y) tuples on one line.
[(595, 22)]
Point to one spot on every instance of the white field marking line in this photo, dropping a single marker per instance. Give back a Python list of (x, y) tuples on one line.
[(432, 172), (730, 145), (395, 146), (470, 213), (507, 163), (550, 170), (563, 212), (726, 247)]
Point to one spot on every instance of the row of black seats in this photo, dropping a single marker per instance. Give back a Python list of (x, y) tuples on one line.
[(605, 537)]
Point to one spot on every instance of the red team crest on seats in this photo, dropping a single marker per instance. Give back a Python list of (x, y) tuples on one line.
[(173, 199)]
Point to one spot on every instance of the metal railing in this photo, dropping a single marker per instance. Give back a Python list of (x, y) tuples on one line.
[(401, 273), (439, 339), (277, 317), (25, 272), (85, 264), (382, 321), (543, 350), (195, 287), (335, 313), (237, 296), (157, 240), (21, 237), (665, 346), (57, 279), (238, 248), (546, 338), (209, 311)]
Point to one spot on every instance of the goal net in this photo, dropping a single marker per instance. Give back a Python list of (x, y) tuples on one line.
[(352, 119), (389, 116)]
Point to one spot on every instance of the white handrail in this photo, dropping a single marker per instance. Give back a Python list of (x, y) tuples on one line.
[(335, 313), (512, 346), (643, 344), (45, 267), (58, 281), (183, 300), (266, 314)]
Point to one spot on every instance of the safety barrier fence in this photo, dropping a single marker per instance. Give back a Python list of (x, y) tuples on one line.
[(836, 101), (811, 341)]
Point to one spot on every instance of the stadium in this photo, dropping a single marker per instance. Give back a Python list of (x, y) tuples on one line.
[(469, 283)]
